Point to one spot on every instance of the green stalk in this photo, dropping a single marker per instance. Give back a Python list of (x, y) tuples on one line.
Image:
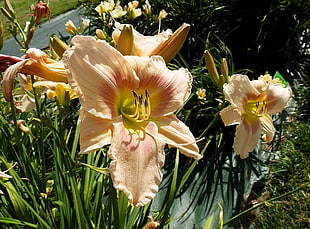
[(164, 215)]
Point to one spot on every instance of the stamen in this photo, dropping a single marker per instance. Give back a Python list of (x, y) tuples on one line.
[(142, 110), (257, 108)]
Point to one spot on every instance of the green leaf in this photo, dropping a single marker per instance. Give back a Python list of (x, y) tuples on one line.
[(209, 222), (280, 77), (17, 222)]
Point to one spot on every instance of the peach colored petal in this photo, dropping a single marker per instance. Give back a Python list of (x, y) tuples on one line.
[(277, 98), (267, 127), (9, 78), (260, 85), (23, 102), (230, 116), (176, 134), (136, 162), (239, 90), (168, 89), (95, 132), (247, 136), (97, 73)]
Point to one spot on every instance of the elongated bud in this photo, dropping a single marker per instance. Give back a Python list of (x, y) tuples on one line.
[(7, 14), (224, 70), (1, 35), (58, 46), (172, 46), (147, 7), (211, 68), (9, 9), (125, 41)]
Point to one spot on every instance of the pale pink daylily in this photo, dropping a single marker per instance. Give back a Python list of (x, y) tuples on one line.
[(252, 103), (128, 102)]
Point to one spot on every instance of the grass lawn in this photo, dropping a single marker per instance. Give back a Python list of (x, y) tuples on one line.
[(23, 9)]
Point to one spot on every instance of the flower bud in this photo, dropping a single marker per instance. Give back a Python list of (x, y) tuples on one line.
[(224, 70), (125, 41), (147, 7), (41, 10), (58, 46), (211, 68), (8, 10), (162, 14), (100, 34), (1, 35), (172, 46), (70, 28)]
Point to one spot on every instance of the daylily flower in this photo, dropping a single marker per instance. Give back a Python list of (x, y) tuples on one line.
[(252, 103), (128, 102), (133, 11), (36, 62), (71, 28), (147, 7), (105, 7), (118, 12), (165, 44)]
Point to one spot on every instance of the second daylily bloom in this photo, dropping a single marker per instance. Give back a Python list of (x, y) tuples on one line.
[(252, 103), (165, 44), (36, 62), (128, 102)]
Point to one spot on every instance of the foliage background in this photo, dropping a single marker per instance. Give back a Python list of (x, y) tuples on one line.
[(58, 191)]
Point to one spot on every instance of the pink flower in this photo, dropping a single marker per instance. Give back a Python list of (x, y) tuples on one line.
[(252, 103), (128, 102)]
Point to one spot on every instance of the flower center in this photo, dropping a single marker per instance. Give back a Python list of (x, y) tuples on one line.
[(140, 110), (256, 107)]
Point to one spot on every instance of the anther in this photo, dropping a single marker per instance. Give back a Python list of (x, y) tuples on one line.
[(142, 107)]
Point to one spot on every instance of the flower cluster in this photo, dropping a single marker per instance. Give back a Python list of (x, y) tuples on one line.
[(129, 96)]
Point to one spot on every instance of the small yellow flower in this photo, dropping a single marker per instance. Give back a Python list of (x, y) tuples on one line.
[(201, 93)]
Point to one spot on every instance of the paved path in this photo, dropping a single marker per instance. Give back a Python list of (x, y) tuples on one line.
[(44, 31)]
